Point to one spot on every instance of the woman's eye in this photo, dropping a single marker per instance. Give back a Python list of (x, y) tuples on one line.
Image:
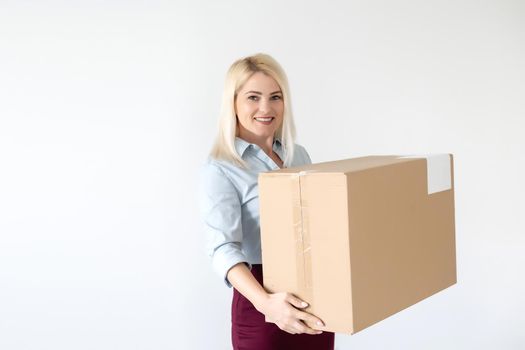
[(256, 98)]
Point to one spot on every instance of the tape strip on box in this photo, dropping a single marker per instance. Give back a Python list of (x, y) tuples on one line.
[(302, 237)]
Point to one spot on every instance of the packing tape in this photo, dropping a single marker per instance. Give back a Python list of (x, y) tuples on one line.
[(439, 176), (302, 239), (304, 172)]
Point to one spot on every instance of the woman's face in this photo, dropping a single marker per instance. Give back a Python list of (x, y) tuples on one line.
[(259, 107)]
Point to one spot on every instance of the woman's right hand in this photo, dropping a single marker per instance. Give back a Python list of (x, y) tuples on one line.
[(283, 309)]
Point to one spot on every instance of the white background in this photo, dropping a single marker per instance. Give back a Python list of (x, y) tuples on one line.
[(108, 108)]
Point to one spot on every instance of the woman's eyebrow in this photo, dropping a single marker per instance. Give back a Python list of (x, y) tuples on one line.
[(260, 93)]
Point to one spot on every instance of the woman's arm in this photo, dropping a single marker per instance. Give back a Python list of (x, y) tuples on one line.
[(279, 308)]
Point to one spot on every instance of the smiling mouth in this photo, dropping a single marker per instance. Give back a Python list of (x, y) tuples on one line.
[(264, 120)]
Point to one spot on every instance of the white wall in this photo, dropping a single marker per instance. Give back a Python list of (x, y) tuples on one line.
[(108, 107)]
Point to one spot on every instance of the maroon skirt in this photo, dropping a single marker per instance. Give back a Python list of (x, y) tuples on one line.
[(251, 332)]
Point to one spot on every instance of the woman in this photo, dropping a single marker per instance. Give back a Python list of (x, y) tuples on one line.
[(256, 134)]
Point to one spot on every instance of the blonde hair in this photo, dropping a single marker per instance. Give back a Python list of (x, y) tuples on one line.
[(240, 71)]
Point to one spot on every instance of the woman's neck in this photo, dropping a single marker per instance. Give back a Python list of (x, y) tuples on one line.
[(266, 143)]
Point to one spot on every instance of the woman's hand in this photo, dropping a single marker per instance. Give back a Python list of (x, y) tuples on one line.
[(283, 309)]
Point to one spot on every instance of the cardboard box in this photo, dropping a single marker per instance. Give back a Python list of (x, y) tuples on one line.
[(359, 239)]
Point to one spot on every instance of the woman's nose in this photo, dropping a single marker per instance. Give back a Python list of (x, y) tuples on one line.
[(264, 106)]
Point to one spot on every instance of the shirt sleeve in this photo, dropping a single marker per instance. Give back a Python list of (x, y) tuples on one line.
[(303, 158), (220, 210), (307, 156)]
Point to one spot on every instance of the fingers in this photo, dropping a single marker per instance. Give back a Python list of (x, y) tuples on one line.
[(295, 324), (298, 303), (299, 327), (305, 329), (310, 320)]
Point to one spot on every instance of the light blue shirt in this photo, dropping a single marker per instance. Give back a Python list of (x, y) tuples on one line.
[(229, 204)]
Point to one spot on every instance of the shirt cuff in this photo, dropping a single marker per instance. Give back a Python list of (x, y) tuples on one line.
[(225, 258)]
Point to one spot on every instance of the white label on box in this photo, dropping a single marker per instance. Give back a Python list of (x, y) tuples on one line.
[(438, 171)]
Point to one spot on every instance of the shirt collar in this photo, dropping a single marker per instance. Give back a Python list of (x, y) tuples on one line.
[(242, 145)]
